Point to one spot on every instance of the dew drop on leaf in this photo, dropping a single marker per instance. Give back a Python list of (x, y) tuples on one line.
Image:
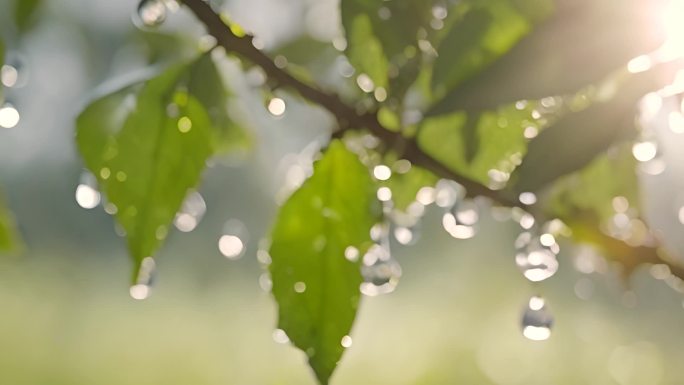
[(143, 284), (536, 320)]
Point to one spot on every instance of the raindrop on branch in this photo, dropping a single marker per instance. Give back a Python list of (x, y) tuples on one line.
[(461, 220), (536, 255), (536, 320), (380, 271)]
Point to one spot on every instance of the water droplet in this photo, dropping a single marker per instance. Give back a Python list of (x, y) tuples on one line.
[(447, 193), (143, 284), (265, 282), (536, 320), (184, 125), (232, 244), (279, 336), (276, 107), (527, 198), (365, 83), (536, 256), (191, 212), (380, 271), (406, 226), (351, 253), (9, 116), (645, 150), (14, 72), (87, 195), (382, 172), (461, 220), (346, 342), (299, 287), (151, 13), (384, 194)]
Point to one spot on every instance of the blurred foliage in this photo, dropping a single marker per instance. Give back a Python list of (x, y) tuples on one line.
[(9, 237), (316, 286)]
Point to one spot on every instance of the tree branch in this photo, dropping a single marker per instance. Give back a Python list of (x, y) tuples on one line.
[(346, 115)]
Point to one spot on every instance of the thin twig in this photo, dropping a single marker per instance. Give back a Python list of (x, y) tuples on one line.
[(347, 117)]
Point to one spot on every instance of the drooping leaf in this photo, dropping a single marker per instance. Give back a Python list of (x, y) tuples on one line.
[(577, 138), (580, 44), (316, 287), (147, 149), (9, 237)]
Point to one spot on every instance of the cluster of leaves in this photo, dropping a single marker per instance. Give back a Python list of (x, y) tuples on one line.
[(478, 74)]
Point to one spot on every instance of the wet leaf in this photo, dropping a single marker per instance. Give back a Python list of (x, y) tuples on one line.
[(580, 44), (148, 145), (315, 286)]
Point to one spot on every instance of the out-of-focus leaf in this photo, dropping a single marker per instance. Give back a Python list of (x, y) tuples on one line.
[(494, 141), (2, 61), (207, 85), (484, 33), (580, 44), (148, 154), (9, 237), (316, 287), (365, 50), (381, 32), (24, 13), (405, 186), (577, 138)]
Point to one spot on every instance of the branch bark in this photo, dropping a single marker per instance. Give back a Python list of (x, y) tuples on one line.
[(347, 116)]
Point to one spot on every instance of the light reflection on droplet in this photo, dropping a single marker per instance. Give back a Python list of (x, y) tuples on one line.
[(461, 220), (184, 124), (380, 271), (346, 342), (151, 13), (384, 194), (9, 75), (681, 215), (351, 253), (382, 172), (365, 83), (87, 196), (265, 282), (276, 107), (380, 94), (536, 320), (426, 195), (191, 213), (645, 151), (676, 122), (536, 258), (527, 198), (530, 132), (143, 284), (9, 116), (279, 336), (299, 287), (231, 246), (639, 64)]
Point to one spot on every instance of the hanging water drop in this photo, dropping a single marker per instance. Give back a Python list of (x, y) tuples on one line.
[(14, 73), (9, 116), (536, 320), (536, 256), (143, 284), (406, 226), (86, 194), (232, 243), (380, 271), (461, 220), (191, 213), (151, 13)]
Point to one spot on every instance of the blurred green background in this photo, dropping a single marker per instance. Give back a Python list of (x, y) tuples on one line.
[(66, 317)]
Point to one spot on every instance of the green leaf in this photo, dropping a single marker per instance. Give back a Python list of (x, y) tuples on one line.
[(333, 210), (24, 13), (148, 155), (474, 144), (575, 139), (365, 50), (9, 237), (2, 61), (484, 33), (207, 85), (580, 44), (405, 186)]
